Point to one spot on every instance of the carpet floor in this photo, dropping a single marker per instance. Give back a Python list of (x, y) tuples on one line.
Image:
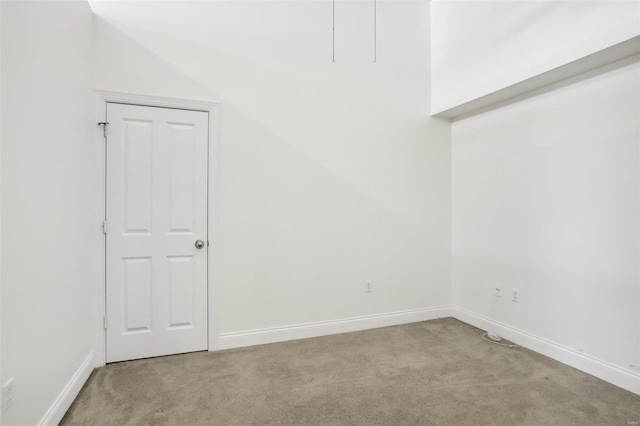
[(437, 372)]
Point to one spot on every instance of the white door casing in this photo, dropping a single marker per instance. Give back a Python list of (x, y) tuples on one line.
[(156, 210)]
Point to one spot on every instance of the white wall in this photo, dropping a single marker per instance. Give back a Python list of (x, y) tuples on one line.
[(48, 232), (1, 381), (545, 198), (331, 174), (480, 47)]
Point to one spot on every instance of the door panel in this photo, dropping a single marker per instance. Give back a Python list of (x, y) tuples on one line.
[(138, 174), (181, 284), (182, 157), (136, 310), (156, 210)]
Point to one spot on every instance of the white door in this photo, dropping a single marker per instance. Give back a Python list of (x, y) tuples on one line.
[(156, 231)]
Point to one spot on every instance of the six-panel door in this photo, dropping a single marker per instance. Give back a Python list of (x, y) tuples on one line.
[(156, 211)]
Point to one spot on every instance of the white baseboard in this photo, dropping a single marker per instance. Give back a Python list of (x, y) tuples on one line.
[(57, 410), (601, 369), (325, 328)]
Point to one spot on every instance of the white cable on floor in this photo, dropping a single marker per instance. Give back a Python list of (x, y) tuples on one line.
[(484, 337)]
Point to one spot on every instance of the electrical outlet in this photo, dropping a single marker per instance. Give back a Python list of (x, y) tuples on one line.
[(516, 295), (497, 291), (367, 287), (7, 395)]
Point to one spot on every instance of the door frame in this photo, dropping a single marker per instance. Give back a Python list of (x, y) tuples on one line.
[(212, 107)]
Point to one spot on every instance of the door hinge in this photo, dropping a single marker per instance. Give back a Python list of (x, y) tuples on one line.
[(105, 322), (104, 227), (104, 127)]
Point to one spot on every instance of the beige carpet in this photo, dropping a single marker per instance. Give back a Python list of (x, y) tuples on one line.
[(430, 373)]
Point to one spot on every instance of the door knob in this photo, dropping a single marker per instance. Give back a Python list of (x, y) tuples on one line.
[(199, 244)]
